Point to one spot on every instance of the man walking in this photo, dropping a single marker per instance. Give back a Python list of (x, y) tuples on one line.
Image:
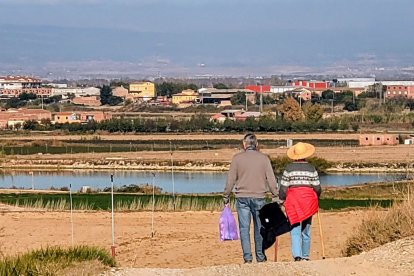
[(252, 176)]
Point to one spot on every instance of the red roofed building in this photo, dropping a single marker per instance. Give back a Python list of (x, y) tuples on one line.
[(258, 88), (311, 84), (13, 86)]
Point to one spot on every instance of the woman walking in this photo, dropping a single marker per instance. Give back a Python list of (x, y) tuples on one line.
[(300, 188)]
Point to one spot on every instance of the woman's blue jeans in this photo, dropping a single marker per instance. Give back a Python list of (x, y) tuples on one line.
[(246, 208), (300, 236)]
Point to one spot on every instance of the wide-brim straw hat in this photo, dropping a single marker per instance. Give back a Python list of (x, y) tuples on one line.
[(300, 151)]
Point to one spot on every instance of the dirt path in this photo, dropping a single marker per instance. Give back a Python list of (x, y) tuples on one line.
[(186, 243), (395, 258)]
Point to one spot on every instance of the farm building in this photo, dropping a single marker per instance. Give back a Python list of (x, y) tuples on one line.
[(378, 139)]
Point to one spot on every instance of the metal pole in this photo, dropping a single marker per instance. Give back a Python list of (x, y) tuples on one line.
[(153, 206), (261, 99), (172, 179), (71, 210), (113, 221), (32, 180)]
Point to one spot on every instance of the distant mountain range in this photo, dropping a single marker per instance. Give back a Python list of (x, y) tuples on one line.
[(66, 52)]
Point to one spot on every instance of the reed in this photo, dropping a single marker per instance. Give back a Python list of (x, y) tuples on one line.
[(51, 260), (163, 202)]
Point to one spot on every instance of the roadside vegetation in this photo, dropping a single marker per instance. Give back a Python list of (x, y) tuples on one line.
[(57, 261), (162, 202), (379, 227)]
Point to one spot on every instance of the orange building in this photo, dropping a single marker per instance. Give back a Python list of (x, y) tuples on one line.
[(378, 139), (80, 117), (394, 91), (12, 117), (89, 101)]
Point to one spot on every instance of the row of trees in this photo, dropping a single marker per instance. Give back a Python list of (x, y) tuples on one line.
[(197, 123)]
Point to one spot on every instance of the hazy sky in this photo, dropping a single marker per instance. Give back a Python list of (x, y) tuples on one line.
[(254, 35)]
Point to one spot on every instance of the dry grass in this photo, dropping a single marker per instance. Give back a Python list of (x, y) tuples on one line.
[(381, 227), (50, 261)]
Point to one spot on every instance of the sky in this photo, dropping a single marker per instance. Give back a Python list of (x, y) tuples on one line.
[(204, 36)]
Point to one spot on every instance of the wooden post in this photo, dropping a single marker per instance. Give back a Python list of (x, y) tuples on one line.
[(321, 236), (276, 248)]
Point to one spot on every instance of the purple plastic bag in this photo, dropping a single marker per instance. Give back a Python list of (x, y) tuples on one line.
[(227, 226)]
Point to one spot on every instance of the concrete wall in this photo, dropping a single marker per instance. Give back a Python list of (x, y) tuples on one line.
[(378, 139)]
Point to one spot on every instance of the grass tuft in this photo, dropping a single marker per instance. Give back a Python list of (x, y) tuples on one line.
[(51, 260), (381, 227)]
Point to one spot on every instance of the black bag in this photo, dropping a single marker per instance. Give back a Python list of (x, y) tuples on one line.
[(274, 223)]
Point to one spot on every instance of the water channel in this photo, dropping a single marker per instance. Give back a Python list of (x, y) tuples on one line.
[(180, 182)]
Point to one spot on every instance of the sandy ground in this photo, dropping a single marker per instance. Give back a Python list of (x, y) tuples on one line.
[(395, 258), (181, 240)]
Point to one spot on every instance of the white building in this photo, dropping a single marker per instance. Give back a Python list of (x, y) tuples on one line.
[(365, 84), (77, 91), (19, 82), (281, 89)]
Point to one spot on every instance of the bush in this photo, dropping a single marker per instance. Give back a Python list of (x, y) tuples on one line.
[(51, 260), (133, 188), (320, 164), (379, 228)]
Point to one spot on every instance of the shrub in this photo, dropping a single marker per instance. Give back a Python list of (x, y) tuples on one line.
[(379, 227), (320, 164), (51, 260)]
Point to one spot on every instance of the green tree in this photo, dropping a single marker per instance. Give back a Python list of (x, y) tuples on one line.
[(267, 99), (239, 98), (14, 103), (106, 93), (220, 86), (27, 96), (30, 125), (169, 88), (107, 97), (312, 112), (328, 95), (350, 106)]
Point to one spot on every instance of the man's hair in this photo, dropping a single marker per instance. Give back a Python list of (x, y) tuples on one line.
[(250, 140)]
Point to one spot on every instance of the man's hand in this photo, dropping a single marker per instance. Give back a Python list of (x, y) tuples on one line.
[(277, 200), (226, 200)]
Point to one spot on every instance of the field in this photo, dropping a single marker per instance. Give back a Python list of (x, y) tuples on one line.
[(31, 222), (178, 235)]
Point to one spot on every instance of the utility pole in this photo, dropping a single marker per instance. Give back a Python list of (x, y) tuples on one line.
[(261, 98), (245, 96), (380, 92)]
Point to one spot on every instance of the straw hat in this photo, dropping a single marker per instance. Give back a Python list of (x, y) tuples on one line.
[(300, 151)]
